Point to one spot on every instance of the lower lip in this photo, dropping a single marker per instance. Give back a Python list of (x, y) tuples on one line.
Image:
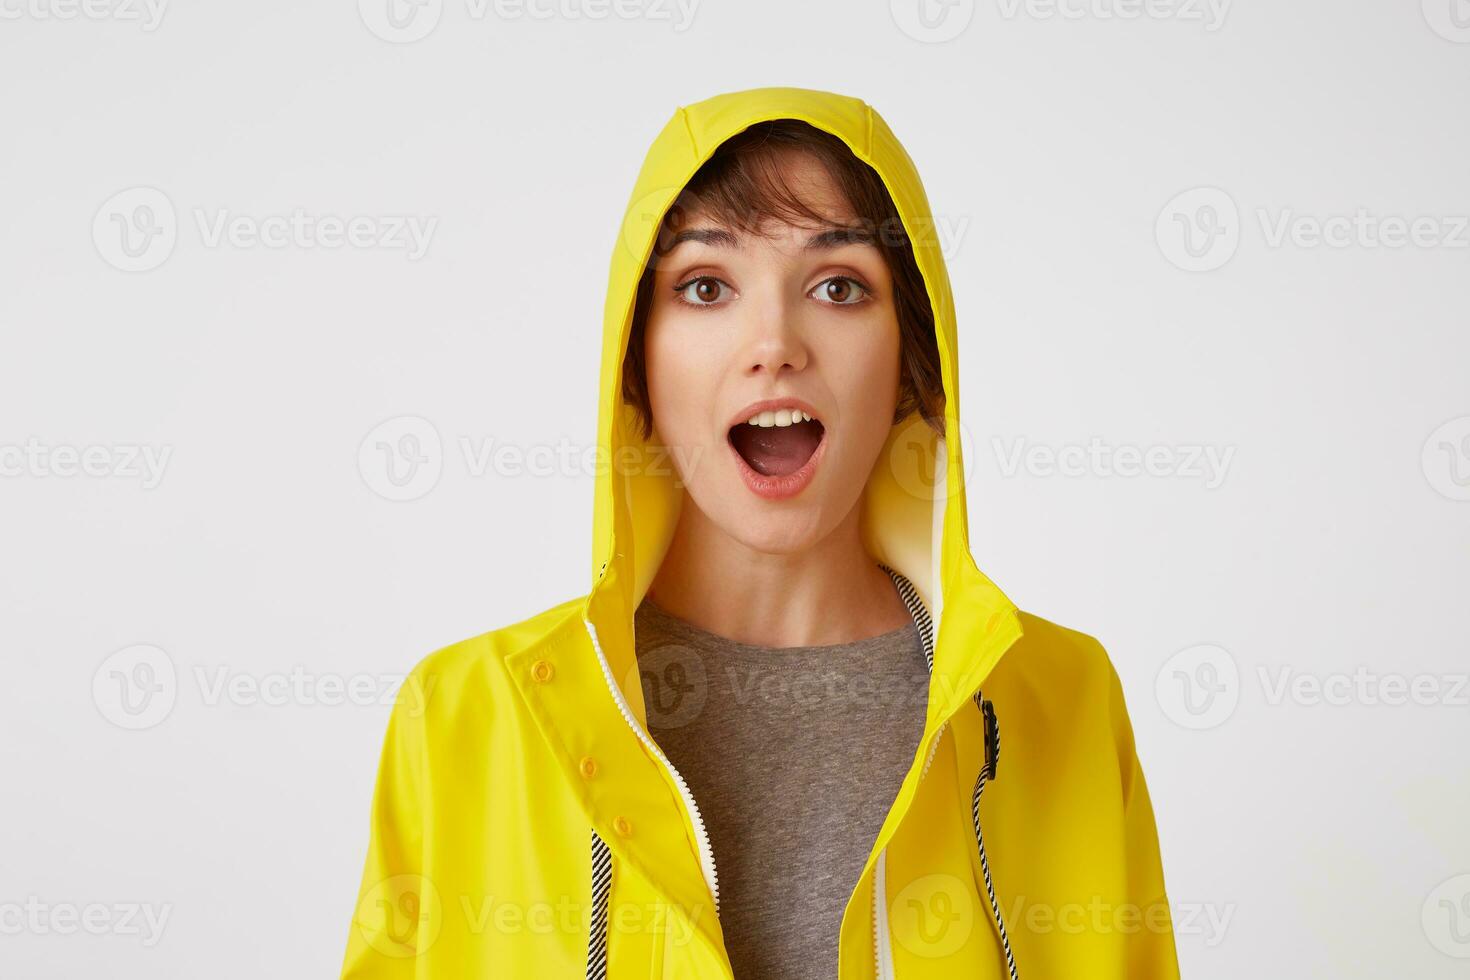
[(780, 487)]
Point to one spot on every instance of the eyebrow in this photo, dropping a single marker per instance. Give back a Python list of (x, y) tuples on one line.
[(830, 238)]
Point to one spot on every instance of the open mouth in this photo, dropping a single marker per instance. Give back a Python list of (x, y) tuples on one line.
[(778, 443)]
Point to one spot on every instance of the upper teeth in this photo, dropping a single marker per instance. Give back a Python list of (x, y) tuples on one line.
[(785, 416)]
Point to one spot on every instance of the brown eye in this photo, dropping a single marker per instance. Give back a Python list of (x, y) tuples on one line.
[(840, 291), (703, 291)]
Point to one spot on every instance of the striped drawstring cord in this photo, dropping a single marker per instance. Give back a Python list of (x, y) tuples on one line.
[(601, 889), (916, 608), (987, 771)]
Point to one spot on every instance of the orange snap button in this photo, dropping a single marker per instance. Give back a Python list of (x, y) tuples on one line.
[(542, 670), (589, 766), (622, 826)]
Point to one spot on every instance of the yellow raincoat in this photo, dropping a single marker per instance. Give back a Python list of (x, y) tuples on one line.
[(526, 825)]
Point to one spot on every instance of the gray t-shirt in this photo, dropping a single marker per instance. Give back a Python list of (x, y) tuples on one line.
[(794, 756)]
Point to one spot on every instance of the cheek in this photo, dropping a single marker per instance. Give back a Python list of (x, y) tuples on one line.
[(866, 376), (678, 373)]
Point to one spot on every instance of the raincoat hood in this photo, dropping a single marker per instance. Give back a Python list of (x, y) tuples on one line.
[(518, 769), (915, 517)]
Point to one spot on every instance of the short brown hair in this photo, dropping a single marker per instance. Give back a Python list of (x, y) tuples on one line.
[(740, 185)]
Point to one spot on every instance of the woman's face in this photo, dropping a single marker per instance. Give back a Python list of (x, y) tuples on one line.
[(743, 326)]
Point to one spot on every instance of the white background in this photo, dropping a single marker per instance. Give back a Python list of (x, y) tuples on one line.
[(1329, 831)]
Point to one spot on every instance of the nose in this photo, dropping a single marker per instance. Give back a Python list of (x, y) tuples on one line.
[(774, 340)]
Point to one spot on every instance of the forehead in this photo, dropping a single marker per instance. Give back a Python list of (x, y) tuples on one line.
[(806, 179), (811, 182)]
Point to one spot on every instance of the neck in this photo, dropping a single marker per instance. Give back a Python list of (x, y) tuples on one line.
[(831, 592)]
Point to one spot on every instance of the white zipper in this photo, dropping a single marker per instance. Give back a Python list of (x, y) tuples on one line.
[(881, 942), (934, 748), (701, 834)]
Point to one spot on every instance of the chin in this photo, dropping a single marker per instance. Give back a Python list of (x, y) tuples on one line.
[(787, 535), (775, 528)]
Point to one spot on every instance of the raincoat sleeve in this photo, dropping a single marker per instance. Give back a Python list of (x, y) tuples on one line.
[(396, 903), (1151, 953)]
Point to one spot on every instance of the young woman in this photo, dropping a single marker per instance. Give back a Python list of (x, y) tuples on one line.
[(757, 747)]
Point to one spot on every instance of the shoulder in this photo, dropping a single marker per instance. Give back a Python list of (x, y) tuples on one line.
[(469, 672), (1074, 670), (1049, 646)]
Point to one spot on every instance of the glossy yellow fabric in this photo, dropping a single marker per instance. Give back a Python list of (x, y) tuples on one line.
[(507, 749)]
